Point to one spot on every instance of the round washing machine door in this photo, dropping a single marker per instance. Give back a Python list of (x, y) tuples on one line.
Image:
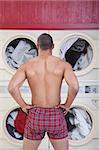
[(18, 50), (79, 50), (13, 125), (80, 124)]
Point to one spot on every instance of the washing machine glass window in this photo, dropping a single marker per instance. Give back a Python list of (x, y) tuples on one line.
[(15, 122), (18, 51), (77, 51), (79, 123)]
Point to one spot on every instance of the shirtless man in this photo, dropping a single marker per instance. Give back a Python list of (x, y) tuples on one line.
[(44, 74)]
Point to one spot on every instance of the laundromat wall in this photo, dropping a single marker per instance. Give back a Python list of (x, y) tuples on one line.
[(87, 76)]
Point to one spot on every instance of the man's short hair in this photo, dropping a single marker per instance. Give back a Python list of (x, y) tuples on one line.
[(45, 41)]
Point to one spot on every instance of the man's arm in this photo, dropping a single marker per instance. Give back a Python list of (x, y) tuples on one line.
[(73, 86), (14, 85)]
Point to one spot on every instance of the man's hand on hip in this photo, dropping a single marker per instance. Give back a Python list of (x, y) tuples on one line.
[(65, 109), (26, 108)]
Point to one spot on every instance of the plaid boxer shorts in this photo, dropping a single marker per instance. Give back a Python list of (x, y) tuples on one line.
[(41, 120)]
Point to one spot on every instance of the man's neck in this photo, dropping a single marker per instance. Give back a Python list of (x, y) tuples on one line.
[(45, 53)]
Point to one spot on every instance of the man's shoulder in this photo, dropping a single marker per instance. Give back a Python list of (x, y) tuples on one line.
[(57, 59), (32, 60), (28, 63), (62, 62), (65, 64)]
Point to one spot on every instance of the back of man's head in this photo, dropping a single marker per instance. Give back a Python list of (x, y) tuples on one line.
[(45, 41)]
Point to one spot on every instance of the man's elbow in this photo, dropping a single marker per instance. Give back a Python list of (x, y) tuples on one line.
[(11, 88), (76, 87)]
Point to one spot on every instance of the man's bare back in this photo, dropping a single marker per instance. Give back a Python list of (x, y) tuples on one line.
[(44, 75)]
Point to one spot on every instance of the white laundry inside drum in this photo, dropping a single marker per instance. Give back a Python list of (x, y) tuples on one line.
[(18, 51), (77, 51), (79, 123), (11, 127)]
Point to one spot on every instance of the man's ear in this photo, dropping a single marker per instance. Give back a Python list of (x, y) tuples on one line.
[(37, 46), (52, 46)]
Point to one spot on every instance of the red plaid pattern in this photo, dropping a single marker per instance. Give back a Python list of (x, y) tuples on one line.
[(41, 120)]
